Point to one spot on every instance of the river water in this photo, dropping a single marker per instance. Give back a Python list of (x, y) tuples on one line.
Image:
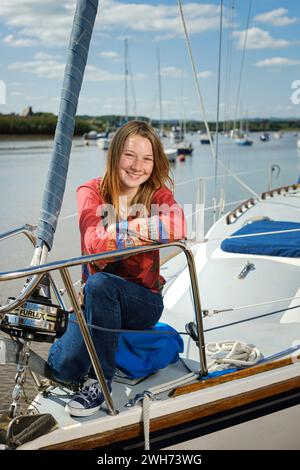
[(24, 164)]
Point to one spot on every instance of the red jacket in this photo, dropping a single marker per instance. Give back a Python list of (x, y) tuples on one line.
[(143, 268)]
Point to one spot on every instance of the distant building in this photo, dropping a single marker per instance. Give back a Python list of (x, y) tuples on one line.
[(27, 112)]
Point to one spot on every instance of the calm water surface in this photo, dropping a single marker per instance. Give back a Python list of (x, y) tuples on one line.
[(24, 165)]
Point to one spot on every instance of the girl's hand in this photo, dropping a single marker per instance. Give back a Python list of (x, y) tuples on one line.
[(111, 232), (140, 228)]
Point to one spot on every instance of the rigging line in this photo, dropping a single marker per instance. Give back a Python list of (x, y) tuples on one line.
[(196, 78), (153, 332), (228, 84), (230, 203), (284, 352), (228, 68), (277, 232), (212, 207), (153, 106), (212, 148), (218, 108), (221, 176), (120, 330), (70, 216), (269, 302), (132, 84), (206, 208), (242, 63), (182, 130), (126, 78), (257, 317), (159, 92)]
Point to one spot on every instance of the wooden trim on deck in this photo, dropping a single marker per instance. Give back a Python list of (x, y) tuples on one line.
[(169, 421), (240, 374)]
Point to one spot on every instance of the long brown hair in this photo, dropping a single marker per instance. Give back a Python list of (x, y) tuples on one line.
[(110, 187)]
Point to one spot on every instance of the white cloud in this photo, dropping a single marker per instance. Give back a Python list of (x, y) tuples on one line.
[(50, 22), (48, 67), (278, 108), (109, 55), (159, 18), (204, 74), (41, 68), (278, 17), (18, 84), (172, 72), (94, 74), (258, 38), (11, 40), (164, 37), (277, 62), (43, 56), (47, 22)]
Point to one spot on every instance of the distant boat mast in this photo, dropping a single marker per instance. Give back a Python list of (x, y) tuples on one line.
[(126, 80), (159, 93)]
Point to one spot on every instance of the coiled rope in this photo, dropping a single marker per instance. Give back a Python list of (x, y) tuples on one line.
[(226, 354)]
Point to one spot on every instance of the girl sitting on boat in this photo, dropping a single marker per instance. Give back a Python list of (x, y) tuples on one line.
[(131, 205)]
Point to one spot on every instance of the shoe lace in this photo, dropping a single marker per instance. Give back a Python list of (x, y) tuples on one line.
[(89, 392)]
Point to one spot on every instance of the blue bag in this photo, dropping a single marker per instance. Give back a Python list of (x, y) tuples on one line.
[(140, 354)]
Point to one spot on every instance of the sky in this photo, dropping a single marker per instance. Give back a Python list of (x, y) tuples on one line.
[(34, 38)]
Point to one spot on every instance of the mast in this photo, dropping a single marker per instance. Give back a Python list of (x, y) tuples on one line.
[(126, 80), (182, 122), (218, 112), (159, 93), (79, 43)]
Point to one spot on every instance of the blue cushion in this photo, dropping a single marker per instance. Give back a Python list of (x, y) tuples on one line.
[(281, 244), (140, 354)]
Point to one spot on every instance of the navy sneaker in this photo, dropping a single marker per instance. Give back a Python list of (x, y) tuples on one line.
[(87, 400)]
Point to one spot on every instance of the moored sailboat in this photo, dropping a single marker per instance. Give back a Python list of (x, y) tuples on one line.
[(252, 381), (257, 369)]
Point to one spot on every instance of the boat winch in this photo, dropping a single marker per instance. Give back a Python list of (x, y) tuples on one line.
[(37, 319)]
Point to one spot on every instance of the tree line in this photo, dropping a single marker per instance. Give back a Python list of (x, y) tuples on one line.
[(45, 123)]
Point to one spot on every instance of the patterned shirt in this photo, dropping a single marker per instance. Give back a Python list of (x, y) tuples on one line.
[(166, 223)]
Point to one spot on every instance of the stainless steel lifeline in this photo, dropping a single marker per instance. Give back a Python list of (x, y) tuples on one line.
[(63, 265)]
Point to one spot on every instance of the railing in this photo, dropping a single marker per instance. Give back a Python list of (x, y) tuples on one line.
[(28, 231), (37, 272), (281, 190)]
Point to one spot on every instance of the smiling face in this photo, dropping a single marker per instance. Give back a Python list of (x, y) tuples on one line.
[(135, 164)]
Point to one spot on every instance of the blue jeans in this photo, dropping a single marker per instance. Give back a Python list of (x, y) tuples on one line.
[(111, 302)]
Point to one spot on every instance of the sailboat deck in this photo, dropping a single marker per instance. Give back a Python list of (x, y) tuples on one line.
[(122, 393)]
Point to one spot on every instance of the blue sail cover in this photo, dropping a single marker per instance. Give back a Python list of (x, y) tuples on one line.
[(277, 244), (83, 23)]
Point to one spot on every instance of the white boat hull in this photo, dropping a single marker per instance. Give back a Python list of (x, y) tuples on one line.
[(103, 143), (269, 431), (197, 413)]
